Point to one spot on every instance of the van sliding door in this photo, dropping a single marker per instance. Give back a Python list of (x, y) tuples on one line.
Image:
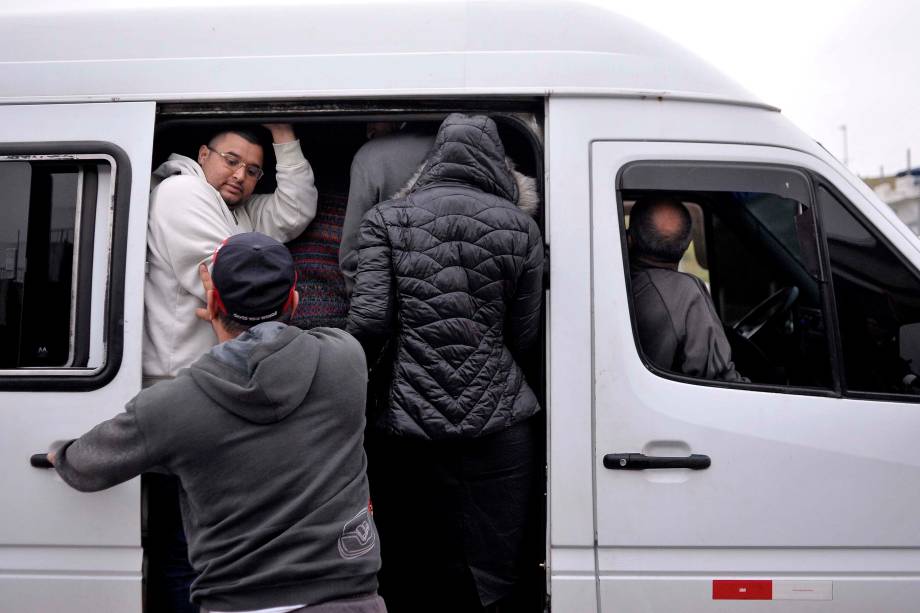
[(75, 182)]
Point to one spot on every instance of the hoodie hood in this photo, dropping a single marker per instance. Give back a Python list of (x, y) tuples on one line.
[(468, 150), (176, 165), (262, 375)]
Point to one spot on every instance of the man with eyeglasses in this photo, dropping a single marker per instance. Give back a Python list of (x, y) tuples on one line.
[(194, 206)]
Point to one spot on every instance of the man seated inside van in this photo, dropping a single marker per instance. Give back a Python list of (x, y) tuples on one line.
[(679, 329)]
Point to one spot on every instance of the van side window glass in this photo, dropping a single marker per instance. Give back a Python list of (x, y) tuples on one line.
[(39, 221), (878, 304), (751, 264), (777, 216)]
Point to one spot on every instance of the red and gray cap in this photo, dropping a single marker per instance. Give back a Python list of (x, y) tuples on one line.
[(254, 278)]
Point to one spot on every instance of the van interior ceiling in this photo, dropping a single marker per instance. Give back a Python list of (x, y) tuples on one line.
[(330, 138), (330, 135)]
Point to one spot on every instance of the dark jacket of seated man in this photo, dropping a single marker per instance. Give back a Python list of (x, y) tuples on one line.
[(679, 328)]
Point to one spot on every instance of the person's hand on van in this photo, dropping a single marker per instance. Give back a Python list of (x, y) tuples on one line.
[(281, 132), (205, 275)]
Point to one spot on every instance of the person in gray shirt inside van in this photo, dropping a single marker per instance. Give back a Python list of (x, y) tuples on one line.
[(679, 328), (379, 169), (265, 432)]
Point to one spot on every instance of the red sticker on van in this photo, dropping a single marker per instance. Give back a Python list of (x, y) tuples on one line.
[(742, 589)]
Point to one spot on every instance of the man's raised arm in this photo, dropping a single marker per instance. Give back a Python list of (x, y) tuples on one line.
[(284, 214)]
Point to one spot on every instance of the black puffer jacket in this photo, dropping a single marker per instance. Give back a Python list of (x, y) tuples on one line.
[(452, 273)]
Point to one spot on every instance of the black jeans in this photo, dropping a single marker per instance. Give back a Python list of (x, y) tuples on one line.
[(169, 573), (454, 518)]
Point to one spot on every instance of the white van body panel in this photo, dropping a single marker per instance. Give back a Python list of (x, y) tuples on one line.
[(58, 546), (343, 50), (803, 489), (805, 486), (810, 488)]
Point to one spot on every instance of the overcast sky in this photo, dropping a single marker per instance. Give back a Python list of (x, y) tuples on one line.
[(825, 63)]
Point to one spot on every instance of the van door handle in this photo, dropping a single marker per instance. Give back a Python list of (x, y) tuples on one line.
[(40, 460), (640, 461)]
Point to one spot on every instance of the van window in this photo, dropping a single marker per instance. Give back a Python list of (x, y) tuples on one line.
[(877, 297), (755, 253), (757, 250), (47, 224)]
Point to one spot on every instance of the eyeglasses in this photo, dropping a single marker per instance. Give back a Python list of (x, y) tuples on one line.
[(233, 163)]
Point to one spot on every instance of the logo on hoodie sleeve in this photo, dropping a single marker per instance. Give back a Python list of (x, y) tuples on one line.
[(359, 535)]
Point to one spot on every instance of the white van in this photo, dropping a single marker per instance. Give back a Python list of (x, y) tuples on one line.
[(811, 497)]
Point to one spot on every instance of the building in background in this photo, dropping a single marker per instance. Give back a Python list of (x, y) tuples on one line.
[(902, 193)]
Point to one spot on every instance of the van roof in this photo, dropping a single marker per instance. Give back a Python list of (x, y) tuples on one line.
[(235, 51)]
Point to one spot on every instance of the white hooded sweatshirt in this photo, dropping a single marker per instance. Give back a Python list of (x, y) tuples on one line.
[(188, 221)]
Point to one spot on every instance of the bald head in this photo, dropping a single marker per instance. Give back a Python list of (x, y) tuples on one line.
[(660, 228)]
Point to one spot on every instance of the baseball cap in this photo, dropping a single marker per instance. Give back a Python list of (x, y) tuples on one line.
[(253, 277)]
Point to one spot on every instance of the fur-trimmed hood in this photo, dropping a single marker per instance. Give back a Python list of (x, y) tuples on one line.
[(468, 150)]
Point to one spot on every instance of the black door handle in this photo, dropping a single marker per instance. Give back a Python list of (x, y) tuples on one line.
[(640, 461), (40, 460)]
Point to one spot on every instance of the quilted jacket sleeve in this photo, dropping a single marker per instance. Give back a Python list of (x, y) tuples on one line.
[(371, 314), (524, 311)]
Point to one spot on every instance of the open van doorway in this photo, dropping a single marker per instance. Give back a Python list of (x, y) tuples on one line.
[(330, 135)]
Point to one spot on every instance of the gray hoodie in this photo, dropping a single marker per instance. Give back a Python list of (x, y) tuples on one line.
[(265, 433)]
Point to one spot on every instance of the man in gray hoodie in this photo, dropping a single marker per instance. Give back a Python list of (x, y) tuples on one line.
[(265, 434), (195, 204)]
